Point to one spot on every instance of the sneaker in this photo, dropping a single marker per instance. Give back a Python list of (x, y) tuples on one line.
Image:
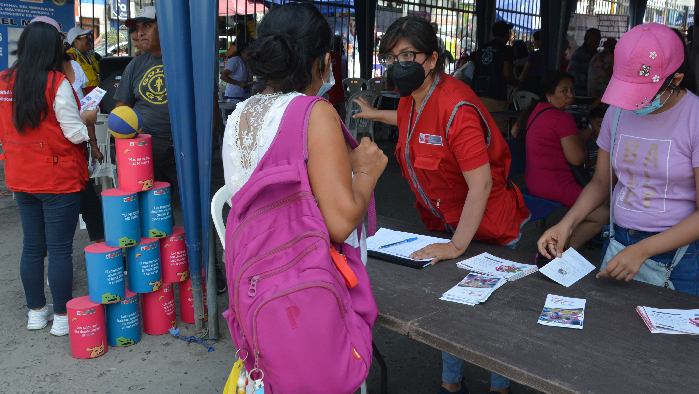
[(60, 325), (39, 319)]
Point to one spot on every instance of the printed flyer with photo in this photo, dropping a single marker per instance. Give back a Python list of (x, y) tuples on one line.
[(486, 263), (474, 289), (562, 311)]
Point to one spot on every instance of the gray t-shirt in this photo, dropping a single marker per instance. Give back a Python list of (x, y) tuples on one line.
[(143, 86)]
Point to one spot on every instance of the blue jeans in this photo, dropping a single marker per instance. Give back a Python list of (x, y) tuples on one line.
[(453, 367), (48, 222), (685, 275)]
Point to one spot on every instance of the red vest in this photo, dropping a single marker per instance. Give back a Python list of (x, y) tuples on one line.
[(441, 181), (41, 160)]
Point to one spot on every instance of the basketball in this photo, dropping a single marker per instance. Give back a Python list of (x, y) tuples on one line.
[(124, 122)]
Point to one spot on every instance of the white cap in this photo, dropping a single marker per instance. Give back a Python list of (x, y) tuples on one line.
[(76, 32), (145, 14)]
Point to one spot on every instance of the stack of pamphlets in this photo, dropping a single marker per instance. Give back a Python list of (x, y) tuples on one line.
[(567, 269), (487, 264), (670, 321), (563, 312), (474, 289)]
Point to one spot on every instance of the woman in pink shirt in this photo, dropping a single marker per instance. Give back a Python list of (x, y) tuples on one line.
[(654, 152), (552, 142)]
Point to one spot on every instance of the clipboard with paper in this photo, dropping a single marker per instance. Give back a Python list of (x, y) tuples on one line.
[(390, 245)]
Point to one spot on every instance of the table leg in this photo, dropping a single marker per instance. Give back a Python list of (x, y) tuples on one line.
[(384, 369)]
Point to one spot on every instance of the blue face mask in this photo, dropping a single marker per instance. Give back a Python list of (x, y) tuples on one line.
[(653, 105), (327, 85)]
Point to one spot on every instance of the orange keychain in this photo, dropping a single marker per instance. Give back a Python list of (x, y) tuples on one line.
[(341, 263)]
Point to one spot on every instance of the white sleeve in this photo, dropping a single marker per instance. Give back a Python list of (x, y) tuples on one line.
[(79, 74), (67, 114)]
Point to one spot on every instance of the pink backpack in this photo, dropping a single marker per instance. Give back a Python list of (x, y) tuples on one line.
[(290, 309)]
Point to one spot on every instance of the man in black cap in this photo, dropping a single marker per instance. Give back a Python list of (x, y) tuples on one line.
[(142, 88), (494, 71)]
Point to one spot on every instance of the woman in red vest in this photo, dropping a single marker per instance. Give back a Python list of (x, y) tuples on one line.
[(42, 131), (453, 155)]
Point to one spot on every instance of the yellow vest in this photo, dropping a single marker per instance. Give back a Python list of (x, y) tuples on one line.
[(91, 70)]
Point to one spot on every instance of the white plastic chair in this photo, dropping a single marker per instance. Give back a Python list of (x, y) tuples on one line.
[(361, 126), (522, 99), (222, 196), (107, 169)]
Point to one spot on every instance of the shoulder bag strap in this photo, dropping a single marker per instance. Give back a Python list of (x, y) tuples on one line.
[(536, 116), (617, 114)]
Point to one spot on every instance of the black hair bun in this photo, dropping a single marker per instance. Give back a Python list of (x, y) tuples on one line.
[(276, 56)]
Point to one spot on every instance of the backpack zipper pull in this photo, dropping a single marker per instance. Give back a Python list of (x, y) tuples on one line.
[(438, 203), (253, 285)]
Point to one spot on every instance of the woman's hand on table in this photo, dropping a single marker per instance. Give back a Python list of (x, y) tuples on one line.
[(625, 265), (438, 252), (368, 111), (554, 239)]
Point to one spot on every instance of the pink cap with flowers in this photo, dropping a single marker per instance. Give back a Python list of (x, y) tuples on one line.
[(643, 58)]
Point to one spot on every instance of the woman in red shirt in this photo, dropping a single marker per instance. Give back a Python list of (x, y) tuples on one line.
[(453, 155), (42, 132), (552, 143)]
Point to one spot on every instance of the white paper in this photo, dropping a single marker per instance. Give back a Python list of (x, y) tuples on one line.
[(92, 99), (488, 264), (670, 321), (568, 269), (562, 311), (474, 289), (385, 236)]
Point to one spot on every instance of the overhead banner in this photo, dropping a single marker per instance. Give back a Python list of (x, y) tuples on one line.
[(15, 16)]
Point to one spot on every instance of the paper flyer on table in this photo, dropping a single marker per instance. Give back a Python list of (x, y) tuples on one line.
[(386, 237), (92, 99), (568, 269), (488, 264), (563, 312), (474, 289), (670, 321)]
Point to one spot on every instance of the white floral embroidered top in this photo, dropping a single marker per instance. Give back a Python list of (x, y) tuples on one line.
[(250, 130)]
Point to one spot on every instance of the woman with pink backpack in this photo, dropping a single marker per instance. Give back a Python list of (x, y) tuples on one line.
[(301, 187)]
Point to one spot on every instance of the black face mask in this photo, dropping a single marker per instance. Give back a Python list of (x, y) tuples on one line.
[(408, 79)]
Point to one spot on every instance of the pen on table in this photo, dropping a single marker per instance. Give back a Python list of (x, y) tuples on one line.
[(399, 242)]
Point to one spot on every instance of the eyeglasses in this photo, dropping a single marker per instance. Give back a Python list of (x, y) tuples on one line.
[(404, 59)]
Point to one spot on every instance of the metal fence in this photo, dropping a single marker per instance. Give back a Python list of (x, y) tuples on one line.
[(524, 14), (670, 12), (455, 23)]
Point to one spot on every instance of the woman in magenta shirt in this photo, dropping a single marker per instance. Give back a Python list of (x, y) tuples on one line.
[(552, 142)]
